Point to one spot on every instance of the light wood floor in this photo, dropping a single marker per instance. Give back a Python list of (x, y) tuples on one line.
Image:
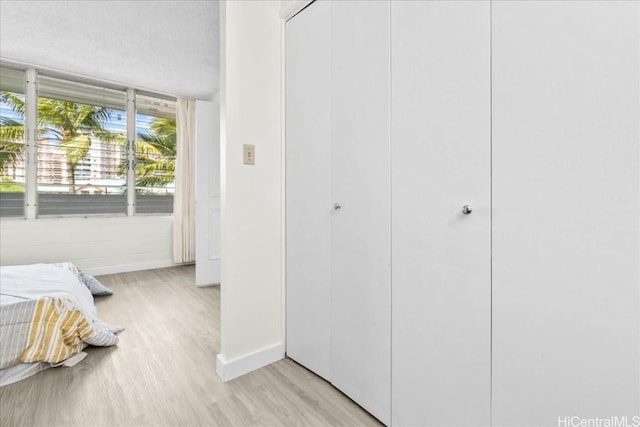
[(162, 373)]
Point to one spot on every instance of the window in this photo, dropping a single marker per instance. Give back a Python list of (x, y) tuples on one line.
[(12, 143), (85, 158), (155, 154), (82, 149)]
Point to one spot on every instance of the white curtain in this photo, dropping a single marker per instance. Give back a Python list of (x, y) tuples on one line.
[(184, 202)]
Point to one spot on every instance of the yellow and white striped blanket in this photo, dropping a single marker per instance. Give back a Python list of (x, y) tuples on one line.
[(57, 332)]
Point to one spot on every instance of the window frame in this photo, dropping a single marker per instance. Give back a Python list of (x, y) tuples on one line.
[(15, 83), (32, 74)]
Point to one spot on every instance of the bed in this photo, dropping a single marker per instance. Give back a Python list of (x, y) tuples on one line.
[(47, 317)]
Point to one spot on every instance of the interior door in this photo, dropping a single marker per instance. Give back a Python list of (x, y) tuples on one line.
[(441, 161), (360, 290), (308, 187), (566, 183), (207, 193)]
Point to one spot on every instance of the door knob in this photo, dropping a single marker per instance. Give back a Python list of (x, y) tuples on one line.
[(336, 206), (467, 209)]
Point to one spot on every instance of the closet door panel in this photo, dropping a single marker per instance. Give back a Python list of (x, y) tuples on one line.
[(360, 305), (566, 207), (308, 187), (441, 141)]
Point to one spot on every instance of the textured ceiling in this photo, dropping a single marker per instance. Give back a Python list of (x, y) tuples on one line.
[(165, 46)]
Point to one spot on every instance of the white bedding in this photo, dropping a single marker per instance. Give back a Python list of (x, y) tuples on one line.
[(20, 287), (39, 280)]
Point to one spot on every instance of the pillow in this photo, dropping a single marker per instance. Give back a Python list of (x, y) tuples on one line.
[(94, 285)]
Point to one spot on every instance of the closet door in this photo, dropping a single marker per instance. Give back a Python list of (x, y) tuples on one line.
[(308, 187), (360, 290), (566, 186), (441, 142)]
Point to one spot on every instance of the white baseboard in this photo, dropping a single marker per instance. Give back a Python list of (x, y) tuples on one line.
[(125, 268), (230, 369)]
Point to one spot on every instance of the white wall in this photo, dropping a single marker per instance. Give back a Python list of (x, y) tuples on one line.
[(175, 46), (251, 206), (288, 8), (98, 245), (164, 46)]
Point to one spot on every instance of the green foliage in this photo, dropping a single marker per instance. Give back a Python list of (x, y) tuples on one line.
[(156, 154), (8, 186), (72, 125), (75, 126), (11, 133), (11, 147)]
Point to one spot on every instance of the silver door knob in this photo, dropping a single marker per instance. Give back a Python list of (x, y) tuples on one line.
[(336, 206), (467, 209)]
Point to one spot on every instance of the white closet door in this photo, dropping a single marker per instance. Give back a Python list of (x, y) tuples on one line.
[(566, 145), (308, 187), (441, 142), (360, 291)]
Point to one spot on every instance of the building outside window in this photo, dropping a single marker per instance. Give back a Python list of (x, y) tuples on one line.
[(86, 164)]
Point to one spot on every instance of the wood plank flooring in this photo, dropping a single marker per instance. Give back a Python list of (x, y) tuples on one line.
[(162, 373)]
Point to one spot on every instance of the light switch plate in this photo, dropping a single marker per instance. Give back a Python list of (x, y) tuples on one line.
[(249, 154)]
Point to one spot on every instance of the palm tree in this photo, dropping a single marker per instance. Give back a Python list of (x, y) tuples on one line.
[(72, 125), (156, 154), (11, 133), (11, 150)]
